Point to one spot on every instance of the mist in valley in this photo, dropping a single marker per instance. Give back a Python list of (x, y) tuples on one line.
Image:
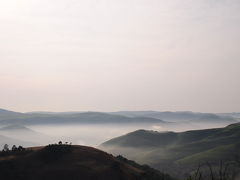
[(89, 134)]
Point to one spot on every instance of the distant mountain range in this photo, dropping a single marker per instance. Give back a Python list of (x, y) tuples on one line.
[(234, 114), (150, 117), (170, 150), (83, 118), (180, 116)]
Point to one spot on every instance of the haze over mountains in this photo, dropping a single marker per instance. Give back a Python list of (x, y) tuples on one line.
[(26, 134), (75, 118), (180, 116), (78, 127), (18, 142), (10, 117)]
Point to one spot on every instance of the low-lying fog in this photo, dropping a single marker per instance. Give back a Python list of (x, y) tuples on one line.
[(93, 135), (94, 128), (85, 134)]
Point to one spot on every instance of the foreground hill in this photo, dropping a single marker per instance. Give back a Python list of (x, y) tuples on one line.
[(66, 162), (170, 150)]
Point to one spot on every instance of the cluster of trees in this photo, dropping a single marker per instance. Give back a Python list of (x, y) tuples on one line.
[(66, 143), (13, 149)]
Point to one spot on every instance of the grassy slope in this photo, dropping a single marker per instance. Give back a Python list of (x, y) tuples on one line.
[(185, 149)]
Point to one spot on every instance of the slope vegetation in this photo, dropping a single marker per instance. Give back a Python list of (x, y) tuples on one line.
[(169, 150)]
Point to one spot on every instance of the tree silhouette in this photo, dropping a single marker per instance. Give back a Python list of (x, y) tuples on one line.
[(5, 147), (14, 148), (20, 148)]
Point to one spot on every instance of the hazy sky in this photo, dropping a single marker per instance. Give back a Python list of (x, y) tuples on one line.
[(109, 55)]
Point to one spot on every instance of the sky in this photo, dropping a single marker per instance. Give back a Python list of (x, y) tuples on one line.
[(111, 55)]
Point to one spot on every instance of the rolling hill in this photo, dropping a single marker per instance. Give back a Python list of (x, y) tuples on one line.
[(171, 150), (65, 162)]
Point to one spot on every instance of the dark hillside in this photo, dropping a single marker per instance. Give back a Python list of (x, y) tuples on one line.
[(66, 162)]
